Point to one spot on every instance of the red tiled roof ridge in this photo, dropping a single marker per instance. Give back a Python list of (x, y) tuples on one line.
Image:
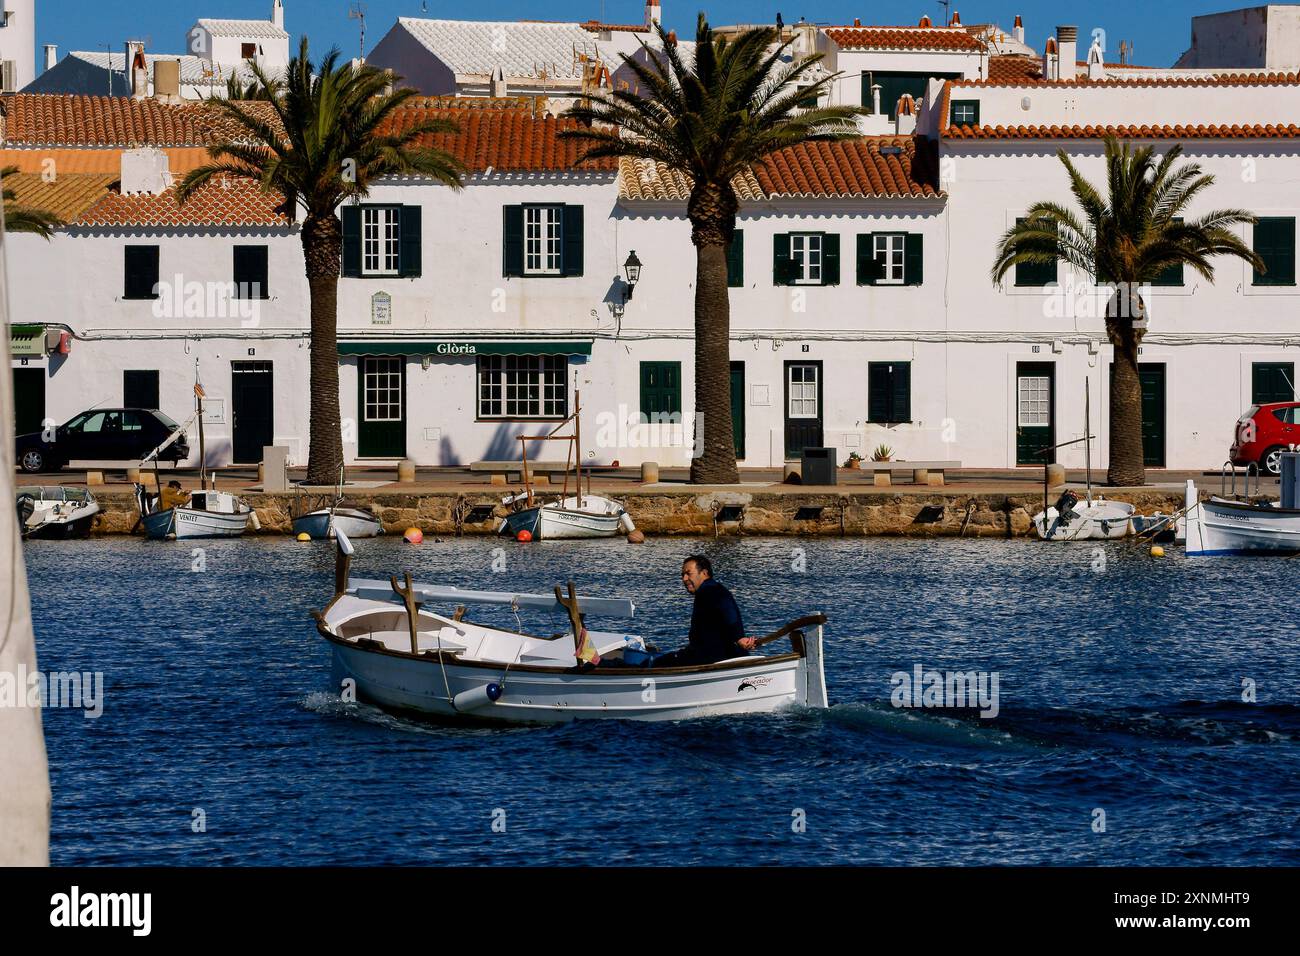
[(1223, 79), (1125, 131), (914, 37)]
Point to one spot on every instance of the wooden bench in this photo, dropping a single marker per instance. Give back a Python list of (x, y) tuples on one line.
[(511, 468), (923, 472)]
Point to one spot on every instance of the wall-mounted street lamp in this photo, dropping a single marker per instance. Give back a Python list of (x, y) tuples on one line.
[(631, 269)]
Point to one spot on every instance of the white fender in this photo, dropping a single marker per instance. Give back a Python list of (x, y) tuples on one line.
[(476, 697)]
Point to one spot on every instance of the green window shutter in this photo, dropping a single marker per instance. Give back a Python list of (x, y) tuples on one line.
[(964, 113), (411, 235), (782, 270), (1275, 243), (351, 241), (736, 260), (1035, 273), (141, 279), (572, 241), (1171, 275), (830, 258), (512, 247), (913, 259), (889, 392), (1272, 382), (250, 270), (870, 269)]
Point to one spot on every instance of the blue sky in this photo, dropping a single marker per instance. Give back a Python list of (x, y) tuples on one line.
[(1159, 31)]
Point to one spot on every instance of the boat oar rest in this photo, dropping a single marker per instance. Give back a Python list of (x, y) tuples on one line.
[(407, 595), (795, 630)]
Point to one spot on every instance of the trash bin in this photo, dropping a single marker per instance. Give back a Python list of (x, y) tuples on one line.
[(819, 466), (1290, 480)]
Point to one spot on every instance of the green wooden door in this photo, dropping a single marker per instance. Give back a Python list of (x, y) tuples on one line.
[(738, 406), (661, 390), (1152, 376), (29, 400), (381, 401), (1272, 382), (1035, 412)]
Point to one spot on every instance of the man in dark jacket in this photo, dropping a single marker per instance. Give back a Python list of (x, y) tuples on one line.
[(717, 632)]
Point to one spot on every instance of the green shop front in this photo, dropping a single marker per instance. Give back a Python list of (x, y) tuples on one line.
[(454, 401)]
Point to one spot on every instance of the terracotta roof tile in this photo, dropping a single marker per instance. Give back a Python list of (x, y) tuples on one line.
[(875, 166), (1005, 72), (232, 202), (67, 197), (48, 119), (506, 141), (904, 38)]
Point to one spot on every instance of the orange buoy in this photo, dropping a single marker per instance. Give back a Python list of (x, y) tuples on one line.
[(413, 536), (525, 536)]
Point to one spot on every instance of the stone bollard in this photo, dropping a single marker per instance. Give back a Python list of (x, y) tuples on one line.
[(94, 478), (497, 480), (261, 474), (881, 479), (1055, 476), (133, 476), (649, 472), (792, 474), (406, 471)]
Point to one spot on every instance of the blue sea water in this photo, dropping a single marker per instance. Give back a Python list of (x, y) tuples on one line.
[(1121, 683)]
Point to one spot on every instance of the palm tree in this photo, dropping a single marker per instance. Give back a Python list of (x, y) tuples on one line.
[(336, 135), (1127, 239), (26, 218), (237, 89), (737, 103)]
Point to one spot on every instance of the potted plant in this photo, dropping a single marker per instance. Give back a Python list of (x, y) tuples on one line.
[(854, 460), (882, 453)]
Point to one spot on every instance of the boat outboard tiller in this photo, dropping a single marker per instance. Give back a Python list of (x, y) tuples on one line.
[(1065, 512)]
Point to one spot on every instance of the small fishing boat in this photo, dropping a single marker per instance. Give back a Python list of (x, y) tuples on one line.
[(55, 511), (207, 513), (403, 655), (1092, 520), (355, 522), (580, 516), (570, 516), (1221, 526)]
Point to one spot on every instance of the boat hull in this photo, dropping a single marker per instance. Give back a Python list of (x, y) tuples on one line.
[(1100, 521), (550, 522), (355, 524), (402, 683), (1217, 527), (64, 529), (187, 523)]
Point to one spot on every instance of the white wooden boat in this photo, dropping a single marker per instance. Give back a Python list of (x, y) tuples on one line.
[(354, 522), (403, 655), (1220, 526), (208, 514), (54, 511), (1094, 520), (578, 516)]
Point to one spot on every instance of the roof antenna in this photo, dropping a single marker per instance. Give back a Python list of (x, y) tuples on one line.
[(947, 6), (358, 12)]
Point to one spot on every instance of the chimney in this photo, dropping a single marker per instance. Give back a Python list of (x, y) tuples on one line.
[(857, 21), (1018, 31), (277, 14), (1067, 42), (652, 12), (145, 172), (51, 56), (497, 85), (956, 19), (1049, 59), (875, 99), (905, 123), (1096, 61), (137, 73), (167, 81)]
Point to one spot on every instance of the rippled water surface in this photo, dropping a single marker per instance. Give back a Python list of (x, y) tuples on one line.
[(1120, 694)]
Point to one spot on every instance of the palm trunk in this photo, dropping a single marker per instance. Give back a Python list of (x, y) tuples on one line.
[(712, 211), (1126, 466), (322, 247)]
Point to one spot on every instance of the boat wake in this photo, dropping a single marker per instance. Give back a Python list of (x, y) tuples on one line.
[(332, 705)]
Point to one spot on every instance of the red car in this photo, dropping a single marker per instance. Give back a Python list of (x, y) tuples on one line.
[(1263, 433)]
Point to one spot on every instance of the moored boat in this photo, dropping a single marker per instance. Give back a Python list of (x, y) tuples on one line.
[(403, 655), (207, 514), (578, 516), (353, 521), (1220, 526), (1073, 520), (55, 511)]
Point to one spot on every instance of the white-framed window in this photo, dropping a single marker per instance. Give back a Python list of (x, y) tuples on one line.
[(806, 257), (888, 252), (1034, 401), (522, 386), (543, 240), (383, 389), (802, 391), (381, 240)]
